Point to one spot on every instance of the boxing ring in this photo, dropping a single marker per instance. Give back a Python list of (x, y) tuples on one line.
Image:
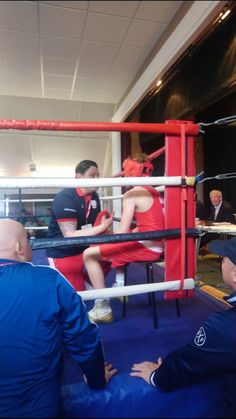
[(127, 396)]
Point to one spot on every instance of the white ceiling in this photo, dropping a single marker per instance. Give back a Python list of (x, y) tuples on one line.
[(77, 50), (81, 61)]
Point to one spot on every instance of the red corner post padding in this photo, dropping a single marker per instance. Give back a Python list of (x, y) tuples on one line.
[(179, 211)]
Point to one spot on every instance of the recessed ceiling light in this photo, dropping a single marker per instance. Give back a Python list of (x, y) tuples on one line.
[(223, 15)]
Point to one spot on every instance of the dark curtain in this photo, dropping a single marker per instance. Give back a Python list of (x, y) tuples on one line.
[(204, 75), (219, 149), (201, 88), (220, 158)]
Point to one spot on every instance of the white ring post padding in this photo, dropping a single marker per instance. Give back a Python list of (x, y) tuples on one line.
[(135, 289), (27, 182)]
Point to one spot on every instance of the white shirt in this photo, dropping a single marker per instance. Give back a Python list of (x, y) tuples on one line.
[(217, 209)]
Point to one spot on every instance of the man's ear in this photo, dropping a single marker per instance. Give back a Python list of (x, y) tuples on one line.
[(234, 274), (18, 249), (78, 175)]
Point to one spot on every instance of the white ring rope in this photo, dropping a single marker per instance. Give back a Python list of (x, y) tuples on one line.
[(26, 200), (21, 182), (35, 227), (188, 284), (102, 198), (112, 198)]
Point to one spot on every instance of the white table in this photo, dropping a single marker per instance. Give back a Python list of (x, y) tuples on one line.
[(220, 228)]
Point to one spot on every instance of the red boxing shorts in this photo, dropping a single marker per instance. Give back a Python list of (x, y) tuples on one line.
[(122, 253), (72, 267)]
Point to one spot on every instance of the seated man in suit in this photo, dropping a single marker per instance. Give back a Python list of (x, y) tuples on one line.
[(220, 212)]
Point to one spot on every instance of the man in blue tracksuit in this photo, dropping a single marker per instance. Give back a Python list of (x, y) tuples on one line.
[(212, 352), (41, 316)]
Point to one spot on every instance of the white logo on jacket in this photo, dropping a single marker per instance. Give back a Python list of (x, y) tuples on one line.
[(200, 337), (70, 209), (93, 204)]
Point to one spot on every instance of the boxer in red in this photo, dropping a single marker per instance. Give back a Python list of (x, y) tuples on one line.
[(142, 205)]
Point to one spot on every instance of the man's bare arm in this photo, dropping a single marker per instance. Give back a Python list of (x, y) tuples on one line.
[(68, 228)]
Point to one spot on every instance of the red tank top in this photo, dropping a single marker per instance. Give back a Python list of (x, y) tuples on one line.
[(152, 219)]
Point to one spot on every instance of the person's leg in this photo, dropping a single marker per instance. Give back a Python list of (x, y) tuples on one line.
[(106, 267), (121, 254), (92, 258), (101, 312), (97, 269)]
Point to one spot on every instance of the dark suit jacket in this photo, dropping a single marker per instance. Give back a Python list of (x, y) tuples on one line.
[(225, 213)]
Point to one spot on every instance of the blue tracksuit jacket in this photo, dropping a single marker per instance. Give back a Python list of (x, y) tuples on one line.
[(40, 317)]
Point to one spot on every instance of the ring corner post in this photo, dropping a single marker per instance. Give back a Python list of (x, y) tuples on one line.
[(179, 210)]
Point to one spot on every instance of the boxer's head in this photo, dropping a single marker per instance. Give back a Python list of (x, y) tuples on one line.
[(138, 166)]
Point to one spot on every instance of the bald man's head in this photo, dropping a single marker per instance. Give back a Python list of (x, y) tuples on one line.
[(13, 241)]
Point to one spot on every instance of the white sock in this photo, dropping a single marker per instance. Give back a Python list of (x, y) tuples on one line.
[(88, 286), (120, 279)]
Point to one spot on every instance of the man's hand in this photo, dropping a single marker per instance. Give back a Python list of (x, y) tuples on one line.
[(109, 371), (106, 222), (145, 369)]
